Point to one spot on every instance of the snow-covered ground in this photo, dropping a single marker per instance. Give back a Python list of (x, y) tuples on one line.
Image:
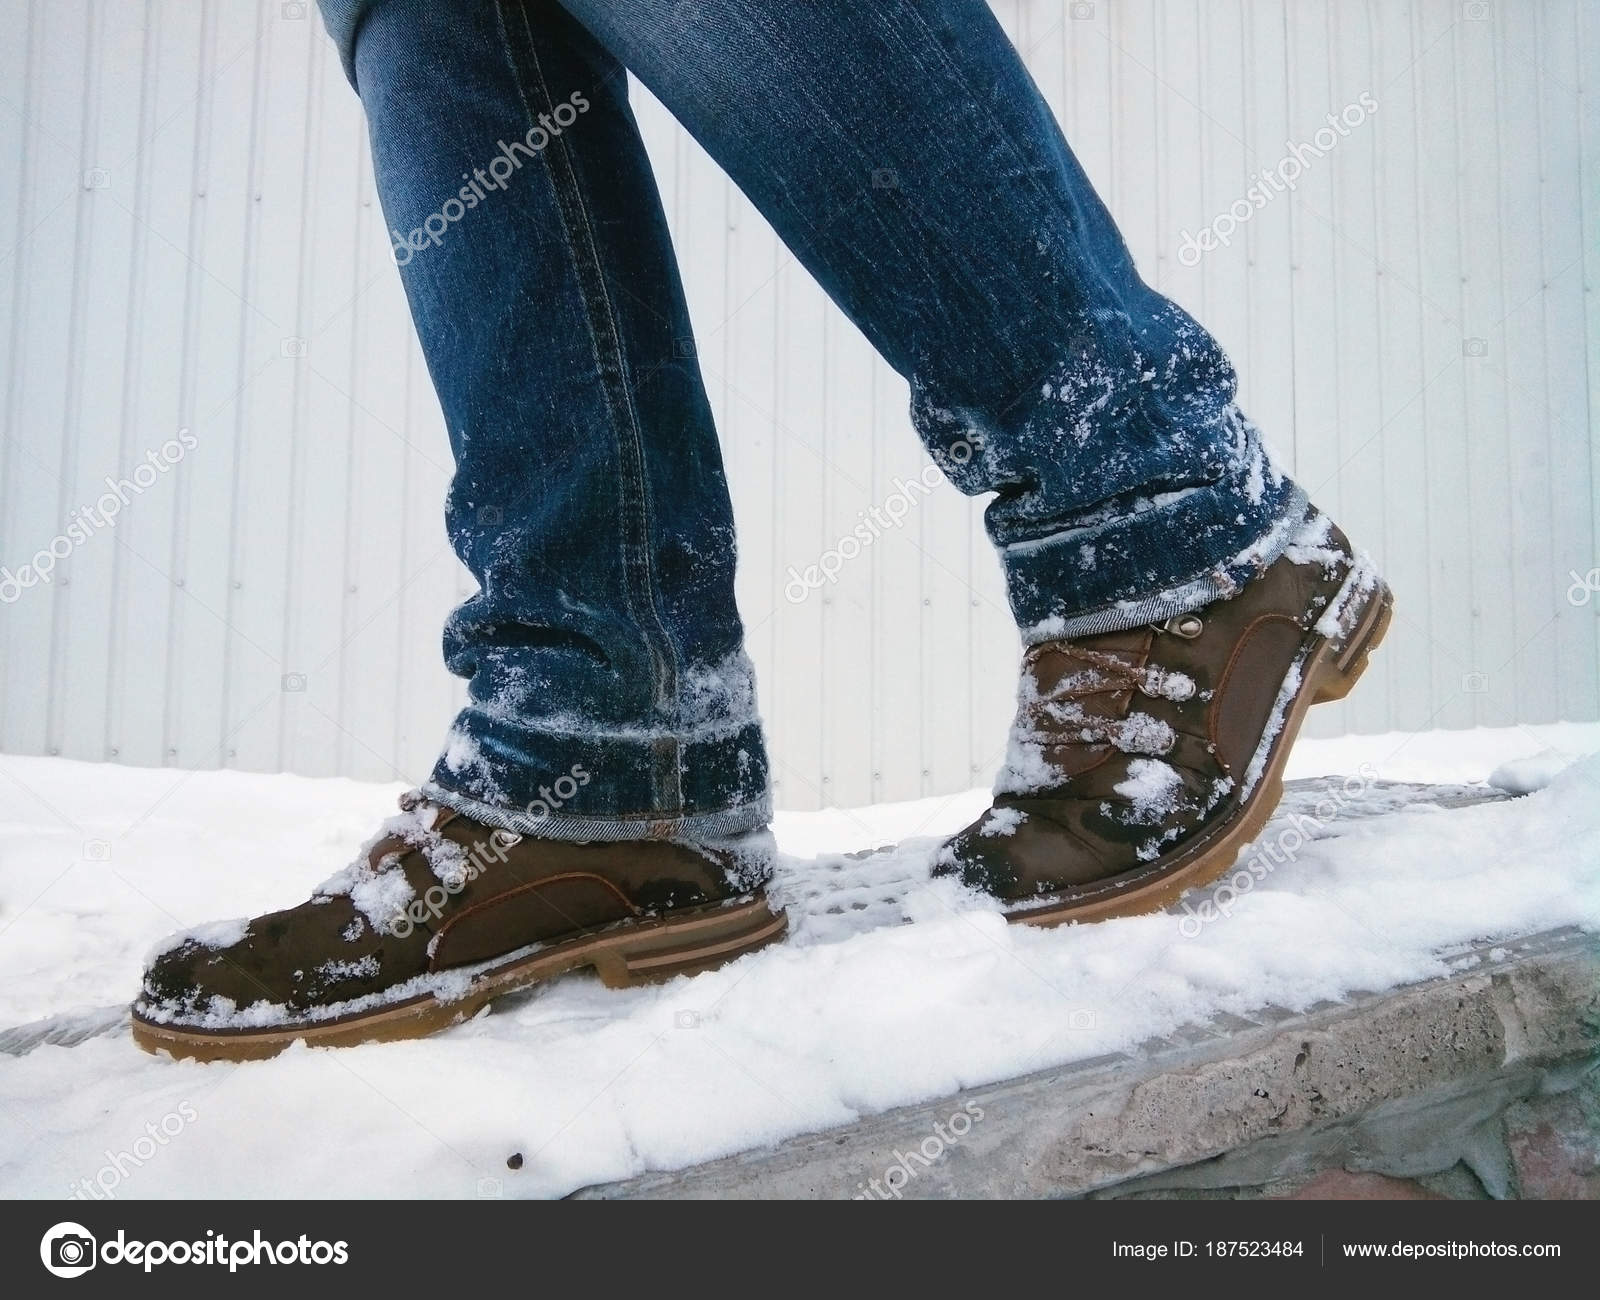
[(1354, 886)]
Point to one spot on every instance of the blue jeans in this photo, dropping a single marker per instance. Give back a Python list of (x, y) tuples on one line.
[(902, 152)]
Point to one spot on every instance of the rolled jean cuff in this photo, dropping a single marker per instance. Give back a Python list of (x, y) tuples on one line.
[(1201, 547), (604, 786)]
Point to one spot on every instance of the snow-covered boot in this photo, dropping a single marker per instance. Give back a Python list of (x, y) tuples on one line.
[(1142, 761), (440, 915)]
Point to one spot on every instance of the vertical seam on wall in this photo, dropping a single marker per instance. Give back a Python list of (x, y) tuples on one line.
[(1247, 139), (1551, 469), (825, 660), (199, 167), (298, 398), (355, 459), (1422, 335), (398, 712), (778, 515), (132, 369), (1294, 247), (1591, 320), (72, 387), (19, 289), (1473, 639), (1379, 249), (238, 501), (1512, 507)]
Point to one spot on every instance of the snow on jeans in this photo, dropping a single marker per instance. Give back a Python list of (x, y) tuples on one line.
[(904, 155)]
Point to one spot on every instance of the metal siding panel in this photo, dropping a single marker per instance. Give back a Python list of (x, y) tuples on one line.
[(1401, 378), (141, 617), (1266, 358), (306, 526), (1456, 675), (102, 292), (746, 341), (215, 375), (1182, 126), (82, 443), (374, 628), (1359, 436), (44, 353), (1135, 106), (1532, 600), (1588, 40), (942, 528), (900, 724), (258, 600), (318, 642), (803, 479), (17, 153), (1564, 380), (1482, 313), (1223, 167), (844, 701)]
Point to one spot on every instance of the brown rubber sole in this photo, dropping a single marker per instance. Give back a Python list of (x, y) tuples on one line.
[(1330, 667), (683, 943)]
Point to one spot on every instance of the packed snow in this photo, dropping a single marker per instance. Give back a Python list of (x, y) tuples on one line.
[(1530, 773), (891, 989), (1153, 788)]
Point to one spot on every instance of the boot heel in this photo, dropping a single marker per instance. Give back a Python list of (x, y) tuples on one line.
[(1345, 663), (687, 947)]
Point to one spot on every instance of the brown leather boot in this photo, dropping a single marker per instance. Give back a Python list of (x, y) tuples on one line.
[(441, 915), (1143, 761)]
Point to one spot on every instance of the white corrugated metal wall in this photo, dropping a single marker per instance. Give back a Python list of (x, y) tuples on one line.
[(189, 240)]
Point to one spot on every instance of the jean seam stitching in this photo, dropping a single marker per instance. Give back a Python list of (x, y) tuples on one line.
[(620, 405)]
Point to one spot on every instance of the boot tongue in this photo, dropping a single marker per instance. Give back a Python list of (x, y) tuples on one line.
[(1067, 689)]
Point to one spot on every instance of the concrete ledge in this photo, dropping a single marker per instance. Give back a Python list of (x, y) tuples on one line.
[(1407, 1082)]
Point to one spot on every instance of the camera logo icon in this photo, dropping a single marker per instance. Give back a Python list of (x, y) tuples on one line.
[(68, 1250)]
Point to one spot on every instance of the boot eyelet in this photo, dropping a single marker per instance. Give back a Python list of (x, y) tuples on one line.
[(1187, 626)]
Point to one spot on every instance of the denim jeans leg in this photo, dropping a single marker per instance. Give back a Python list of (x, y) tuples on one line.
[(905, 156), (610, 696), (902, 151)]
